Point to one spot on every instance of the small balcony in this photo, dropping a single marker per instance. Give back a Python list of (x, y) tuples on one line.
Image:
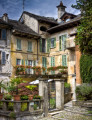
[(70, 44)]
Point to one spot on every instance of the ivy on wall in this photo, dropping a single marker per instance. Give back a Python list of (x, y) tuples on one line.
[(86, 68)]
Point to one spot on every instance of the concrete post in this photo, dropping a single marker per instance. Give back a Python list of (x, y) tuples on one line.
[(45, 105), (41, 88), (59, 94), (74, 88)]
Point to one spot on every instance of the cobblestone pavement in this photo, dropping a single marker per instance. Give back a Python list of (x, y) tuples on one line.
[(70, 113)]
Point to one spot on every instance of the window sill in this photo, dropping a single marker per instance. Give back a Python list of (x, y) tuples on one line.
[(19, 49), (53, 48), (30, 51)]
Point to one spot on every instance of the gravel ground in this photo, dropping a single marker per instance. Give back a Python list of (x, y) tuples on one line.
[(70, 113)]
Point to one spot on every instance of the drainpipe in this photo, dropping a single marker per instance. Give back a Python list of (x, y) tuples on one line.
[(37, 50)]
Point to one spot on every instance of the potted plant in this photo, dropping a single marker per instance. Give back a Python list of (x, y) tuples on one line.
[(2, 86), (24, 97), (13, 88), (37, 97), (31, 87), (7, 97)]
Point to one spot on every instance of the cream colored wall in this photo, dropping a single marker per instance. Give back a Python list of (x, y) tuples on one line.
[(31, 22), (54, 52), (23, 54)]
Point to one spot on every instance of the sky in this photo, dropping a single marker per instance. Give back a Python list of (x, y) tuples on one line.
[(47, 8)]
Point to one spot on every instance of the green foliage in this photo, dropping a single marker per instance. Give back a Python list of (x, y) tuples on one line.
[(66, 85), (23, 107), (1, 105), (86, 68), (10, 106), (84, 31), (35, 106), (7, 97), (52, 103), (24, 97), (84, 92), (37, 97), (12, 115), (2, 85), (13, 85), (31, 87)]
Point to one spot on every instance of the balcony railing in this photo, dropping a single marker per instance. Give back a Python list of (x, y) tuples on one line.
[(70, 44)]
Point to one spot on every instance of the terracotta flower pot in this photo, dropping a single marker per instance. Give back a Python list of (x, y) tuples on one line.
[(1, 96), (16, 97), (30, 97)]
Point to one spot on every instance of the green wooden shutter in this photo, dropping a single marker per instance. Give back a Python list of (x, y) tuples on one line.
[(22, 62), (54, 42), (44, 62), (30, 46), (48, 44), (52, 61), (26, 62), (64, 40), (34, 63), (60, 43), (40, 45), (64, 60)]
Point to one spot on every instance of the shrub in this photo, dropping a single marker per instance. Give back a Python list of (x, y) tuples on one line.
[(35, 106), (7, 97), (84, 92), (86, 68), (23, 106), (1, 105), (10, 106), (66, 85), (24, 97), (37, 97)]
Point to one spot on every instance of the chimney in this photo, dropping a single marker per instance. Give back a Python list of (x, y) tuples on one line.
[(5, 17), (61, 10)]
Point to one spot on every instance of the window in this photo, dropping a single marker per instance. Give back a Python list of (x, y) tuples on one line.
[(18, 62), (53, 42), (64, 60), (62, 42), (18, 44), (44, 62), (43, 28), (3, 58), (29, 46), (3, 34), (42, 45), (52, 61)]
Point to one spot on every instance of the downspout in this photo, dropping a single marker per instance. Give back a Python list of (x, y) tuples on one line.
[(37, 50)]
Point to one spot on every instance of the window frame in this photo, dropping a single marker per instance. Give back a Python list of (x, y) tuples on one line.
[(29, 50), (18, 46)]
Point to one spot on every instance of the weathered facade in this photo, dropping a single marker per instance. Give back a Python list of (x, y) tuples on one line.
[(5, 46), (43, 41)]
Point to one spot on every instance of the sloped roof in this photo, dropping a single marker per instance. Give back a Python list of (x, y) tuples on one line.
[(69, 14), (65, 25), (5, 23), (42, 18), (18, 26)]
